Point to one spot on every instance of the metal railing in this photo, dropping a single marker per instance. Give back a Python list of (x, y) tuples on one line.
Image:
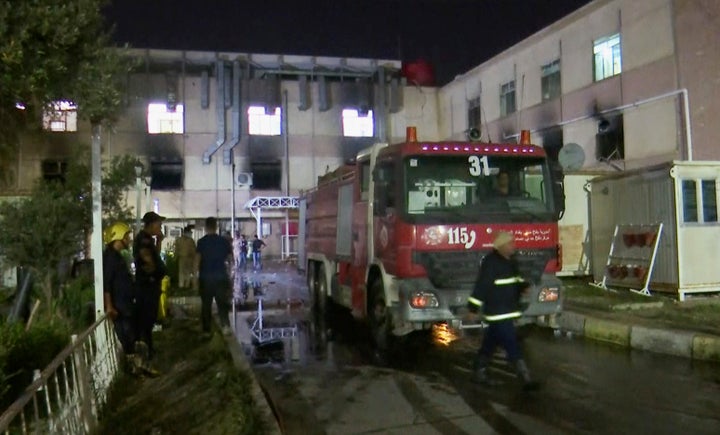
[(69, 394)]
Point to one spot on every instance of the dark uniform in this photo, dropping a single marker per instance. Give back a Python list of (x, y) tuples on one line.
[(214, 280), (118, 282), (149, 272), (497, 291)]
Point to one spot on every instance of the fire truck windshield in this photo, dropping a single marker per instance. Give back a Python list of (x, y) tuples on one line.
[(476, 188)]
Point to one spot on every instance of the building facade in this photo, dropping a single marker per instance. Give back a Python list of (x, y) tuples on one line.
[(212, 131), (632, 82)]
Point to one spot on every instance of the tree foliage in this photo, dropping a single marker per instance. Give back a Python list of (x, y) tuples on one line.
[(50, 227), (52, 50)]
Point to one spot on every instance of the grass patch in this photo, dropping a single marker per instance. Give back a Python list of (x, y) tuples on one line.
[(200, 391), (690, 316)]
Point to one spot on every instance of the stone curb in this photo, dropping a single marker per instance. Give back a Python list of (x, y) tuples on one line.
[(238, 356), (679, 343), (241, 363)]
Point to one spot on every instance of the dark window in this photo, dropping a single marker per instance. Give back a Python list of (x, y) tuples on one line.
[(385, 185), (550, 80), (689, 200), (266, 175), (54, 170), (610, 140), (166, 175), (474, 114), (709, 201)]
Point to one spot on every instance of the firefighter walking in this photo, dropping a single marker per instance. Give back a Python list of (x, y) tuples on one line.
[(497, 293)]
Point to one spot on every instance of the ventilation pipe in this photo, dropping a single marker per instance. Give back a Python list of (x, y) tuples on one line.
[(235, 119), (380, 114), (220, 112)]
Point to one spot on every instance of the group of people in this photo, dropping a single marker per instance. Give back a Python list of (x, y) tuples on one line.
[(132, 302), (240, 251)]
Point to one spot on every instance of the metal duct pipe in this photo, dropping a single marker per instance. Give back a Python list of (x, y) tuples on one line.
[(323, 95), (220, 113), (380, 114), (235, 117)]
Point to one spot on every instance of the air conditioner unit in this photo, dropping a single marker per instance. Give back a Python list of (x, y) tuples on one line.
[(244, 179)]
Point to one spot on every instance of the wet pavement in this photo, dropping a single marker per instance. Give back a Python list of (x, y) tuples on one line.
[(329, 384)]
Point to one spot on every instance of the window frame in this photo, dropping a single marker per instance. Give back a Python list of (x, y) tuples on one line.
[(551, 71), (474, 113), (505, 92), (159, 123), (63, 112), (615, 60), (264, 124), (352, 120), (693, 210)]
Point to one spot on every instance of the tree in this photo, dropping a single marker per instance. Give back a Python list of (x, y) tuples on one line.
[(52, 50), (50, 227)]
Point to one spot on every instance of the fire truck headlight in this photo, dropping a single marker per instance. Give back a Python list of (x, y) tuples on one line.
[(549, 294), (424, 300)]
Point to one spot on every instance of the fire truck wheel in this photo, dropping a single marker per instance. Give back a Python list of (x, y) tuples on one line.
[(380, 321)]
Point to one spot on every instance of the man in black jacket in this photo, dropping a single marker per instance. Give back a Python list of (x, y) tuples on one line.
[(497, 292), (149, 272)]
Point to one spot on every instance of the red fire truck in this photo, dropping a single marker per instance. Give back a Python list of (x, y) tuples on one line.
[(397, 235)]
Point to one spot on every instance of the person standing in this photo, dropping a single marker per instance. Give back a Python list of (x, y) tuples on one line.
[(243, 252), (185, 251), (119, 292), (240, 251), (149, 272), (213, 251), (497, 292), (257, 246)]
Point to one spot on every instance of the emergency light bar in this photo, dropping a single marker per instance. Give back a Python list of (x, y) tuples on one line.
[(514, 149)]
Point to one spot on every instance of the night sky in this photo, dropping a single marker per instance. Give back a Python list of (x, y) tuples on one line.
[(455, 35)]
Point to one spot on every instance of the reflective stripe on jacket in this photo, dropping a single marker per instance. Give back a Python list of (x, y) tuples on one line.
[(497, 289)]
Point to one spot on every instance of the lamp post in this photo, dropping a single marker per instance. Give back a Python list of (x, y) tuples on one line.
[(138, 189)]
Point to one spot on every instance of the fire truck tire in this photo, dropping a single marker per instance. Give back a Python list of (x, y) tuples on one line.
[(319, 301), (380, 320)]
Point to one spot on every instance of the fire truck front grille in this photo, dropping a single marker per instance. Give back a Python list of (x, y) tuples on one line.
[(459, 269), (532, 262), (451, 270)]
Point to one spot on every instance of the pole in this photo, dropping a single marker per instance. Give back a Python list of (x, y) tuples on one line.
[(138, 193), (286, 135), (96, 247), (148, 197), (232, 201)]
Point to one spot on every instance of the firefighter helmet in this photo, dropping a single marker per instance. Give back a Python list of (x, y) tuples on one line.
[(116, 231)]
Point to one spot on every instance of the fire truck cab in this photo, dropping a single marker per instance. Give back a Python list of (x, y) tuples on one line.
[(397, 236)]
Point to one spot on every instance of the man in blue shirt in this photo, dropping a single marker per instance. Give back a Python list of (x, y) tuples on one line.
[(212, 253)]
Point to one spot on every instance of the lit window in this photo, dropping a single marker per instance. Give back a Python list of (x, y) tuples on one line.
[(607, 57), (357, 125), (163, 121), (550, 80), (261, 122), (507, 98), (60, 116)]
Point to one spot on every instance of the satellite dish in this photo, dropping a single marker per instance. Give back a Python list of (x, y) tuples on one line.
[(571, 157)]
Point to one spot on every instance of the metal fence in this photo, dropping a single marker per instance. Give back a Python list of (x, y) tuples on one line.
[(68, 396)]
